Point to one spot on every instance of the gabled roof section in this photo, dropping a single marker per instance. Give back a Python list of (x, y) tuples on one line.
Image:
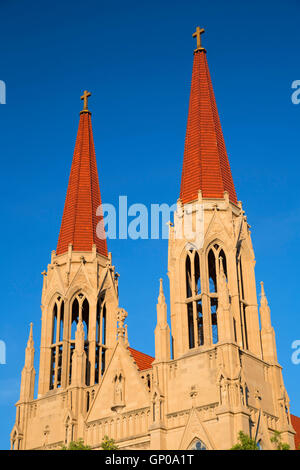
[(205, 164), (143, 361), (79, 221)]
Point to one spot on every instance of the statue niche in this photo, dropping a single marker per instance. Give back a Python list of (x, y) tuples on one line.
[(119, 391)]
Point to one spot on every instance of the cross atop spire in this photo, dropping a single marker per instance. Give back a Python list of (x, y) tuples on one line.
[(85, 97), (197, 34)]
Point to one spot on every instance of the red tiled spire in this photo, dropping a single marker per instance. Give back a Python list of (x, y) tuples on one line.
[(79, 221), (205, 164)]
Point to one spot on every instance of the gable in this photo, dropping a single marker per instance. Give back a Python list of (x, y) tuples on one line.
[(262, 432), (134, 396), (195, 430)]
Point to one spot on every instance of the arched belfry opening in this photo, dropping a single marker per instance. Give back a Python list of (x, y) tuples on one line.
[(242, 298), (80, 310), (56, 348), (201, 279), (64, 325), (101, 330)]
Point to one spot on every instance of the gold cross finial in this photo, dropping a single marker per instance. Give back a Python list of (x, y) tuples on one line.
[(84, 97), (197, 34)]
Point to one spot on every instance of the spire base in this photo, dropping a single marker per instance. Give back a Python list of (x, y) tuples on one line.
[(199, 49)]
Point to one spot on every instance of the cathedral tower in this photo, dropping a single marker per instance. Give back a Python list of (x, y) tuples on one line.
[(214, 313), (79, 310)]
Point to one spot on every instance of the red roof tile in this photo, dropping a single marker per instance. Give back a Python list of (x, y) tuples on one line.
[(79, 221), (205, 163), (143, 361), (296, 426)]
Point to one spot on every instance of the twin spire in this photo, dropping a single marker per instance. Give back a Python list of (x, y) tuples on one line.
[(205, 165), (82, 221)]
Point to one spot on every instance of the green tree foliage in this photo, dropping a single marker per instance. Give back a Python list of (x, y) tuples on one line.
[(277, 441), (76, 445), (108, 444), (245, 443)]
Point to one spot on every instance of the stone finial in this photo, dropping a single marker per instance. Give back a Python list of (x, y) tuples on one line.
[(263, 297), (29, 352), (265, 313), (126, 336), (161, 296), (121, 329), (28, 372), (30, 338)]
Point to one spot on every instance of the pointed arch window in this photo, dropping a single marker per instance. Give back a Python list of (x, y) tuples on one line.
[(195, 323), (75, 318), (197, 274), (243, 303), (188, 271), (214, 319), (200, 325), (212, 272), (215, 256), (56, 350), (198, 445), (191, 325), (100, 362), (202, 307), (80, 309)]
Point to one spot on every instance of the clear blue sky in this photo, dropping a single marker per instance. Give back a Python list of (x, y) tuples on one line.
[(136, 58)]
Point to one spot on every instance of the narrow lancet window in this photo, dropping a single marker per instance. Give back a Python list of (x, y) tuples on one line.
[(85, 317), (188, 277), (54, 324), (104, 325), (191, 325), (194, 300), (242, 304), (214, 319), (103, 361), (52, 369), (56, 345), (197, 274), (216, 259), (100, 339), (200, 324), (212, 272), (75, 318), (61, 326)]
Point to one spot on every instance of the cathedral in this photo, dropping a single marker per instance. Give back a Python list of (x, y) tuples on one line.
[(215, 370)]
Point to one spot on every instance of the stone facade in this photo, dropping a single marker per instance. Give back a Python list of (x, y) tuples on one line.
[(215, 372)]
